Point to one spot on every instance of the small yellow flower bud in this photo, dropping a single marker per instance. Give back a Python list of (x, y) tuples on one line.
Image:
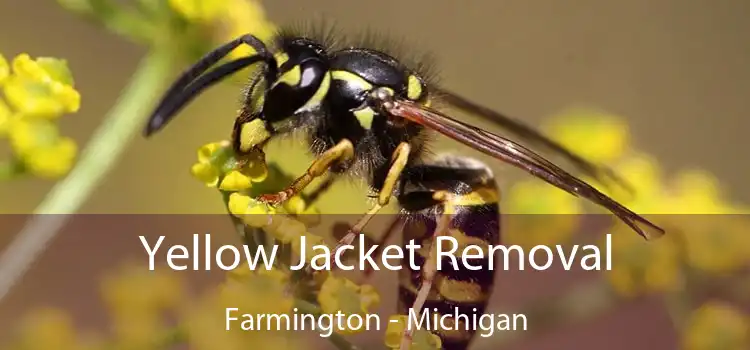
[(45, 78), (26, 135), (53, 161), (207, 151), (24, 66), (238, 204), (421, 339), (198, 10), (235, 181), (205, 173), (40, 99), (68, 97), (295, 205)]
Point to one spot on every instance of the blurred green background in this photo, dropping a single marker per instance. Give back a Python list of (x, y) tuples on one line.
[(675, 70)]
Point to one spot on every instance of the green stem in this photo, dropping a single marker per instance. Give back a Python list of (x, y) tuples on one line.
[(99, 157)]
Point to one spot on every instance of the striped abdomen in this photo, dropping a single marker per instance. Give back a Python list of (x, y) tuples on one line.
[(457, 291)]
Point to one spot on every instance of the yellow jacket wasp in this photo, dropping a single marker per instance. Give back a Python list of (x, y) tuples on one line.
[(367, 114)]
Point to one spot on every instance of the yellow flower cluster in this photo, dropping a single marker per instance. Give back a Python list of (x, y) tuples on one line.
[(338, 294), (217, 167), (52, 329), (216, 162), (252, 292), (681, 204), (717, 325), (138, 300), (704, 234), (36, 93), (151, 310), (641, 267)]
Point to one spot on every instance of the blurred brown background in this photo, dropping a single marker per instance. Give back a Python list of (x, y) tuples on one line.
[(677, 70)]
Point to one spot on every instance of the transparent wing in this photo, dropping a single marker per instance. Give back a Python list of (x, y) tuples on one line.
[(519, 156), (529, 134)]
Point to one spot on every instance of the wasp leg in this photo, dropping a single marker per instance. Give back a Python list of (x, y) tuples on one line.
[(342, 151), (321, 190), (398, 163), (430, 265)]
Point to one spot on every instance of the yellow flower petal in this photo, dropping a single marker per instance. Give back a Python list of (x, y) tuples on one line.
[(41, 99), (44, 69), (26, 135), (295, 205), (235, 181), (202, 11), (24, 65), (597, 136), (207, 151), (54, 161), (239, 204), (206, 173)]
